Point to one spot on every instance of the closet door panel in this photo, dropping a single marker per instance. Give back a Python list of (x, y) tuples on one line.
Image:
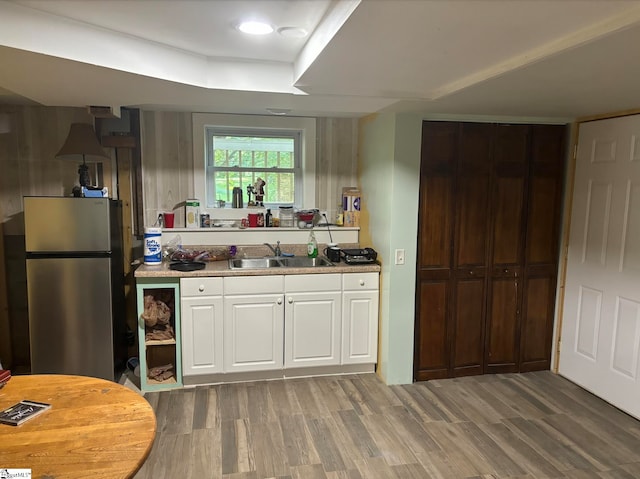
[(537, 327), (542, 245), (436, 221), (503, 334), (542, 232), (472, 194), (432, 350), (509, 190), (545, 195), (435, 247), (508, 202), (471, 236), (469, 327)]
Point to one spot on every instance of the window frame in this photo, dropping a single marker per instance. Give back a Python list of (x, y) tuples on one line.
[(297, 170), (255, 123)]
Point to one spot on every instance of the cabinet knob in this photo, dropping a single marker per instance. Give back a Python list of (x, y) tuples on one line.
[(201, 288), (506, 270), (362, 282), (279, 301), (290, 300)]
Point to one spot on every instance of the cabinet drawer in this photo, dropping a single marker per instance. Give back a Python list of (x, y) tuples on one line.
[(359, 281), (254, 284), (201, 286), (296, 283)]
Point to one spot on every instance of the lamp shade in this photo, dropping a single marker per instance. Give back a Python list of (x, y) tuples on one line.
[(82, 140)]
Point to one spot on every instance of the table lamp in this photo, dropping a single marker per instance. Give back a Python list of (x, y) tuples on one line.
[(82, 140)]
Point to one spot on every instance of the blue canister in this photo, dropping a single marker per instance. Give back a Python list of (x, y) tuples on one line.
[(152, 246)]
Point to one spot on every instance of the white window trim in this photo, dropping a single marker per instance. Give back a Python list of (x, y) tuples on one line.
[(306, 125)]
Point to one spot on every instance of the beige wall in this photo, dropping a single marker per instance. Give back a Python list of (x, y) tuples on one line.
[(167, 161), (31, 136), (29, 139)]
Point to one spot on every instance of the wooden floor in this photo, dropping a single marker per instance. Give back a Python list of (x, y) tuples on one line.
[(534, 425)]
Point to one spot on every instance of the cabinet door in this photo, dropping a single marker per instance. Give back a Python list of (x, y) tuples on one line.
[(253, 332), (312, 329), (202, 335), (359, 327)]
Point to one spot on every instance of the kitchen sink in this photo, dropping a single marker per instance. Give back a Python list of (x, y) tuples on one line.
[(254, 263), (279, 262), (305, 262)]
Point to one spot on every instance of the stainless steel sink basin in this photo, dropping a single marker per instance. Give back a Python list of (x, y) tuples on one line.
[(305, 262), (279, 262), (254, 263)]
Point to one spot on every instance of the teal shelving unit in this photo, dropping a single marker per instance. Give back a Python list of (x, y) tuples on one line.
[(155, 353)]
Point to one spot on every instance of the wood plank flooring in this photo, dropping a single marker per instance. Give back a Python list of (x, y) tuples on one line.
[(533, 425)]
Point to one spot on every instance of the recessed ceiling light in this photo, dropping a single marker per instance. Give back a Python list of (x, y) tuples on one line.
[(255, 28), (292, 32)]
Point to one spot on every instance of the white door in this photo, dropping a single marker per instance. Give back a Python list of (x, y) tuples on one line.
[(600, 338), (312, 329), (202, 340), (253, 332)]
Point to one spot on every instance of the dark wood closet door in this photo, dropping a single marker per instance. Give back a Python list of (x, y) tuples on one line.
[(508, 193), (542, 245), (437, 173), (488, 242), (470, 248)]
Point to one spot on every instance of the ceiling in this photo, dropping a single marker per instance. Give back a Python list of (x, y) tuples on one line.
[(552, 59)]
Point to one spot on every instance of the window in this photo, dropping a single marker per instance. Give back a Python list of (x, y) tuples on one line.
[(240, 157), (234, 150)]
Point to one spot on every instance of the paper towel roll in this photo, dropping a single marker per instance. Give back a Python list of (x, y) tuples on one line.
[(152, 245)]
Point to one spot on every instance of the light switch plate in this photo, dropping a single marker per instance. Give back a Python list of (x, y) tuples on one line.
[(400, 256)]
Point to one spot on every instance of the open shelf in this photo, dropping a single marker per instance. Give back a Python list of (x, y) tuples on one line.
[(160, 342), (154, 382), (159, 302)]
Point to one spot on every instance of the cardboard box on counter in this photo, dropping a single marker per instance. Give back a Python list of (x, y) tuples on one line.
[(192, 213), (351, 206)]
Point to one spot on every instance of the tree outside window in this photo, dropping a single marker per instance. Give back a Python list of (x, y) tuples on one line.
[(236, 158)]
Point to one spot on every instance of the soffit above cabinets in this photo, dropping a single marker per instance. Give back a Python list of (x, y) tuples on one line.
[(469, 57)]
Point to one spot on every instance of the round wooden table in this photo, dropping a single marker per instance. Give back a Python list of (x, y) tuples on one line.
[(95, 428)]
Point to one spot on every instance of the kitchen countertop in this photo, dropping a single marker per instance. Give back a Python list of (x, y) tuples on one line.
[(221, 268)]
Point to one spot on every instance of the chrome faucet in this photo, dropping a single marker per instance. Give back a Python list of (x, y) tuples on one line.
[(276, 251)]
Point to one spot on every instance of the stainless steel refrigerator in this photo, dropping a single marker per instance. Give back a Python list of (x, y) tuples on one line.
[(75, 285)]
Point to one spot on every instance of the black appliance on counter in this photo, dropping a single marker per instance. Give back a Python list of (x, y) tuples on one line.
[(359, 256)]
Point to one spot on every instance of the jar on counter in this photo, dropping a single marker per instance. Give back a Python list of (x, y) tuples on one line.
[(287, 217), (339, 216)]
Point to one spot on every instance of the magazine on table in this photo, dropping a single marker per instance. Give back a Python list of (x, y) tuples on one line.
[(22, 411)]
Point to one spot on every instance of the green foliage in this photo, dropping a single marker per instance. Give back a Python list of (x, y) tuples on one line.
[(238, 161)]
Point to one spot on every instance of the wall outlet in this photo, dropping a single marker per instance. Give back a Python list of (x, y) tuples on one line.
[(400, 256)]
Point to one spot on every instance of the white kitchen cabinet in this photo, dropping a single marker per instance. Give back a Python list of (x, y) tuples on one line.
[(360, 318), (201, 305), (312, 320), (277, 323), (253, 323)]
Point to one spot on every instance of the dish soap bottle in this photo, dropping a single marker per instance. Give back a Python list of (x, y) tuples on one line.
[(312, 246)]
